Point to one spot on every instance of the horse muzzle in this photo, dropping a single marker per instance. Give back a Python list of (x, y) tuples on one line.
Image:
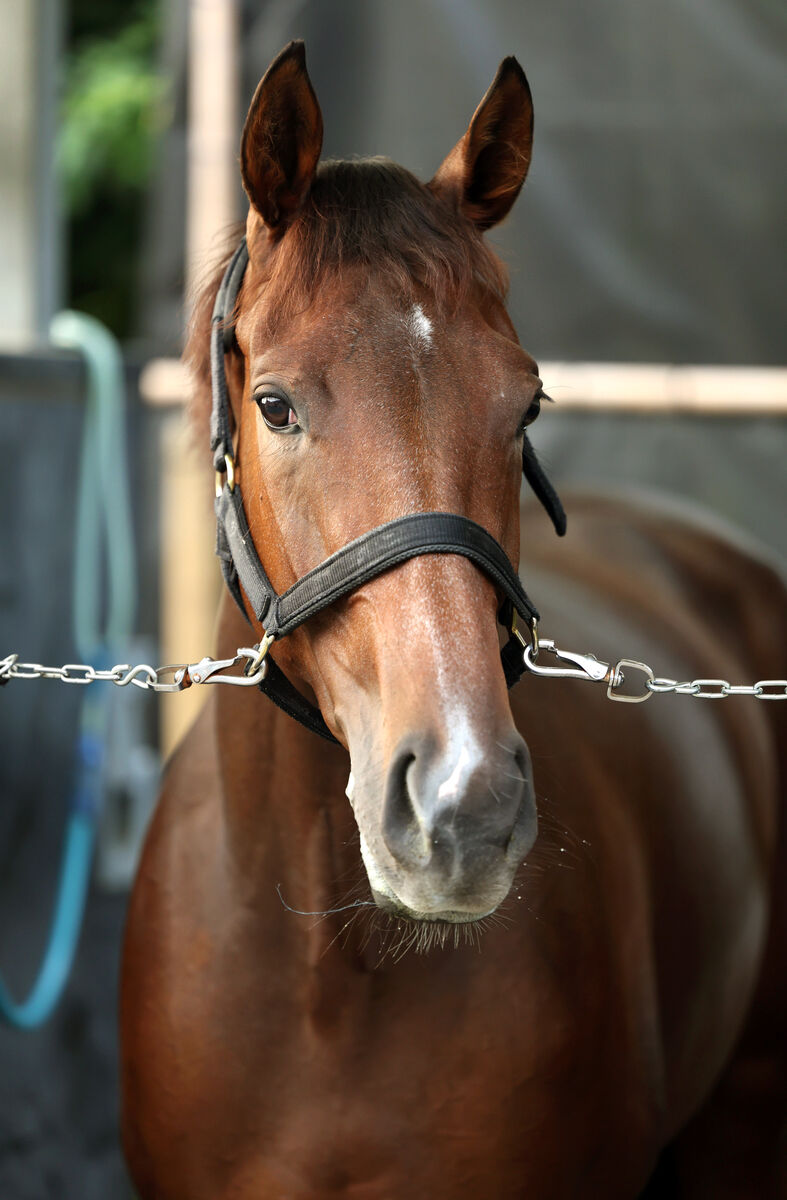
[(454, 826)]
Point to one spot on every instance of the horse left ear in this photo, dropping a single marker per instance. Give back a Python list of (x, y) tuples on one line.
[(282, 139), (486, 169)]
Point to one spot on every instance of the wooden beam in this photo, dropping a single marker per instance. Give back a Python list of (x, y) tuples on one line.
[(662, 388), (617, 387)]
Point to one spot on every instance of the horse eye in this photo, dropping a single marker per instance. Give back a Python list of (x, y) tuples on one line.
[(533, 410), (277, 413)]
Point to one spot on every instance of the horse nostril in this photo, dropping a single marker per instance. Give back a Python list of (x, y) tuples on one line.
[(441, 808), (402, 830), (521, 763)]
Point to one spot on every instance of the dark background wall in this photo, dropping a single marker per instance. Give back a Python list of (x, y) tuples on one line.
[(655, 202), (647, 231), (58, 1085)]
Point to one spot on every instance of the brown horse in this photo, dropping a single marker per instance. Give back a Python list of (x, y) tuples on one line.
[(628, 994)]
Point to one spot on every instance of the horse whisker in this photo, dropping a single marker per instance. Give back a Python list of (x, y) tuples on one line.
[(328, 912)]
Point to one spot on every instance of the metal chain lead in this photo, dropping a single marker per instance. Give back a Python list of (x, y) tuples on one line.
[(587, 666), (578, 666), (719, 689), (208, 670)]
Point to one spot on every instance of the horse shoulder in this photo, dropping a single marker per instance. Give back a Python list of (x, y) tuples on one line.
[(684, 554), (690, 787)]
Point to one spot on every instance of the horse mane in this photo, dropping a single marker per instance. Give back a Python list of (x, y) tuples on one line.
[(370, 212)]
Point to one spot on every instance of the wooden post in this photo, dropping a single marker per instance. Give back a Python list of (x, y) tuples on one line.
[(190, 577)]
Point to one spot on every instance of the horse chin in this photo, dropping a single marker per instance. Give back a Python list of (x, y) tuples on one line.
[(393, 907), (389, 902)]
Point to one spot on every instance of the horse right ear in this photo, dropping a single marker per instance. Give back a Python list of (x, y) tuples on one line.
[(485, 171), (282, 139)]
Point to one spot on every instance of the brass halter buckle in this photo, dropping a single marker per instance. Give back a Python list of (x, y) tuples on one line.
[(229, 471), (533, 634)]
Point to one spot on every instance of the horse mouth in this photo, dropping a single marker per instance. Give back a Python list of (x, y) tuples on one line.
[(388, 902), (394, 908)]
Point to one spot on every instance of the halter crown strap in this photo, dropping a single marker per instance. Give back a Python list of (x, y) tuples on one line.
[(362, 559), (222, 334)]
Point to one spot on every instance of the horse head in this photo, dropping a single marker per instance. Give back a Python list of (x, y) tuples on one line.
[(377, 374)]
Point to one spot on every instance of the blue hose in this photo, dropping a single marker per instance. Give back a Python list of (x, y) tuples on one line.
[(64, 934), (69, 907), (103, 523)]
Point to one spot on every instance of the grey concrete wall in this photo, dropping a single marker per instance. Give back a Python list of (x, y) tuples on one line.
[(29, 230)]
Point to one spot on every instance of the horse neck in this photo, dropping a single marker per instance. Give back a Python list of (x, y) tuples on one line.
[(287, 819)]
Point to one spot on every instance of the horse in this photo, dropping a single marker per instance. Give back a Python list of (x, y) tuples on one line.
[(537, 952)]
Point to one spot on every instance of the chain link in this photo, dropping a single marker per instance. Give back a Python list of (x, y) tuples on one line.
[(211, 670), (208, 670), (719, 689), (587, 666)]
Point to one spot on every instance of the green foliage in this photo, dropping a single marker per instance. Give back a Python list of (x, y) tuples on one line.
[(113, 112), (115, 106)]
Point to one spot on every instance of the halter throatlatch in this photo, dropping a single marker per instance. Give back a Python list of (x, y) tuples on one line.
[(362, 559)]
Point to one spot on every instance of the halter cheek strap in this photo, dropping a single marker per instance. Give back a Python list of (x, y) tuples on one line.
[(362, 559)]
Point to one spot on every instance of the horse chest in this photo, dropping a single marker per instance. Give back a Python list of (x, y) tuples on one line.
[(372, 1086), (381, 1134), (456, 1073)]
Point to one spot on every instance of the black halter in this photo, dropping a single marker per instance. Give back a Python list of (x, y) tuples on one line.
[(360, 560)]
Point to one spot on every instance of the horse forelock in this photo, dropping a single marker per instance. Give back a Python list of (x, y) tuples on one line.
[(361, 212), (374, 213)]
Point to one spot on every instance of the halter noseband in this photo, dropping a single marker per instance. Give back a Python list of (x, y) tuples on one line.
[(359, 561)]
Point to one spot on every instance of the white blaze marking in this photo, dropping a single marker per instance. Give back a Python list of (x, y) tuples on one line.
[(450, 786), (420, 326)]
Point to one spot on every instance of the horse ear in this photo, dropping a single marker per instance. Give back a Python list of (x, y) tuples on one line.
[(486, 169), (282, 139)]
